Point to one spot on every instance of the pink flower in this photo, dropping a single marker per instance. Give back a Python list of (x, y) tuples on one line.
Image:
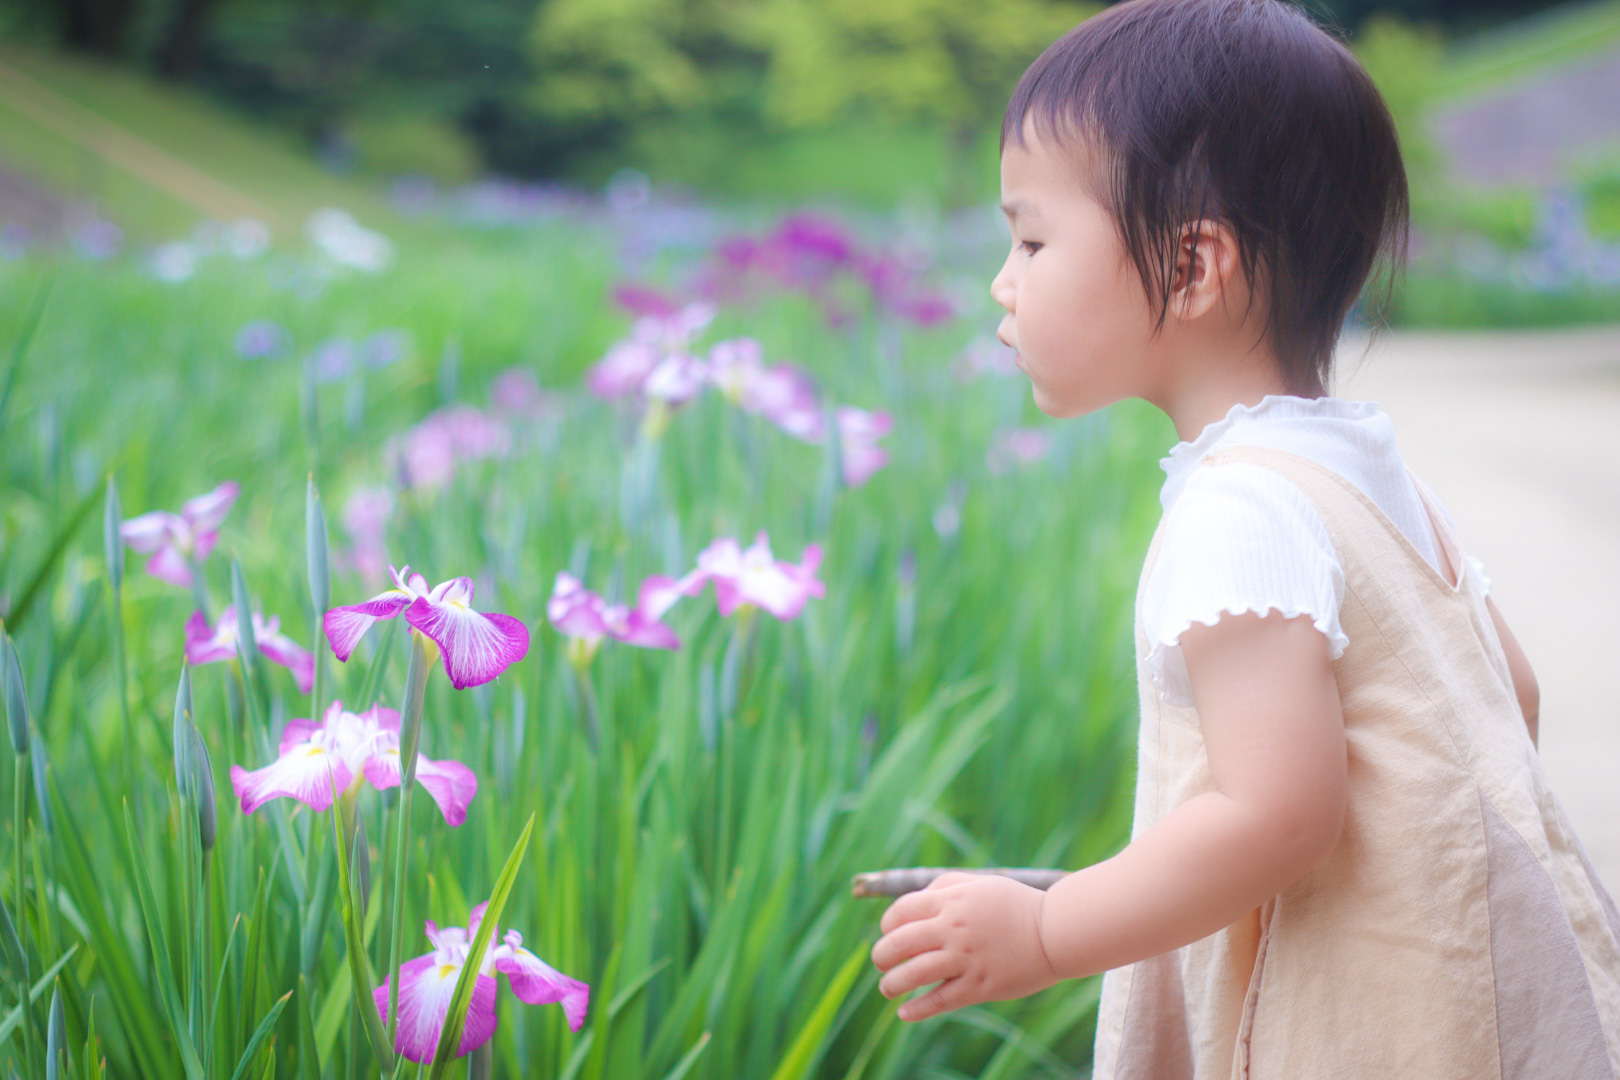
[(652, 338), (343, 746), (754, 576), (427, 983), (179, 540), (1016, 446), (365, 518), (476, 647), (428, 454), (205, 646), (587, 619), (859, 432)]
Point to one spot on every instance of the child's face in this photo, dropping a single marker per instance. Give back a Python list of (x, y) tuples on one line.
[(1076, 312)]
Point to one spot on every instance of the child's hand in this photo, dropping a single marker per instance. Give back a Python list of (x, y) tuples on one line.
[(980, 933)]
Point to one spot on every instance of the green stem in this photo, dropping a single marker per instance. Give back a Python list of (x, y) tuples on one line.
[(20, 805), (123, 689), (410, 730), (316, 709), (199, 588), (587, 700)]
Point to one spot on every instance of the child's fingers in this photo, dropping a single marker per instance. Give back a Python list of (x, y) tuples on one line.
[(913, 905), (948, 995), (919, 971), (908, 940)]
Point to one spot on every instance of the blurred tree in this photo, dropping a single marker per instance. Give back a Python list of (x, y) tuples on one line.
[(792, 64), (1403, 60), (950, 63)]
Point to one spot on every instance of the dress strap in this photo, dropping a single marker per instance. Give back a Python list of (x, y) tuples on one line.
[(1358, 526)]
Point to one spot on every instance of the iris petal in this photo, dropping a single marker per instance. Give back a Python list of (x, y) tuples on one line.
[(425, 990), (207, 511), (450, 783), (538, 983), (344, 626), (306, 772), (204, 646), (150, 531), (476, 647), (292, 656)]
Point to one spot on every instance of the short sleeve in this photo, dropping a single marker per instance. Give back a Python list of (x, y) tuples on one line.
[(1238, 538)]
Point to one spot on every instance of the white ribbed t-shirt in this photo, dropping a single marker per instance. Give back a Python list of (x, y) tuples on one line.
[(1241, 537)]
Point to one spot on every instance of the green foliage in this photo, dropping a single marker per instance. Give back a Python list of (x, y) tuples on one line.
[(695, 868), (648, 66), (420, 145), (1504, 216), (1597, 180), (1404, 60), (952, 62), (1456, 302)]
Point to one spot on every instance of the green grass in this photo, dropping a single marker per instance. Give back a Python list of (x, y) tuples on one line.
[(695, 870), (260, 163), (1562, 35)]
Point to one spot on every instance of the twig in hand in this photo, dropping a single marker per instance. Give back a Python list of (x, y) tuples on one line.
[(910, 879)]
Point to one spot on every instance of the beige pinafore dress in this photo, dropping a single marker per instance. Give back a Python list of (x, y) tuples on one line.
[(1457, 931)]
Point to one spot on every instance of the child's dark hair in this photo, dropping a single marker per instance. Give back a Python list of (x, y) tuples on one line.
[(1241, 111)]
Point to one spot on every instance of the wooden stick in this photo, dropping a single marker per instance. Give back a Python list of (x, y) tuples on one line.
[(910, 879)]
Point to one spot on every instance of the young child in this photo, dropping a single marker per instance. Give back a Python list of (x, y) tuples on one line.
[(1346, 861)]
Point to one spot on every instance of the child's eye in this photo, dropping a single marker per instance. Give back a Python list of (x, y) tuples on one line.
[(1030, 246)]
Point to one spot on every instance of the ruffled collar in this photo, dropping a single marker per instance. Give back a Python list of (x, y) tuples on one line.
[(1281, 409)]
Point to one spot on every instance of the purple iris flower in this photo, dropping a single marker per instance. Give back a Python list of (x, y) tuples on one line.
[(858, 432), (428, 454), (476, 646), (586, 618), (427, 983), (179, 540), (261, 339), (332, 359), (652, 338), (643, 300), (754, 576), (384, 348), (784, 394), (343, 747), (205, 646), (365, 519)]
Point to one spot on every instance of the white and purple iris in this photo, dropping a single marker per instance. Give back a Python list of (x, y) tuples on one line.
[(343, 747), (427, 983), (476, 646), (180, 541), (586, 618), (205, 646), (787, 397), (754, 576), (654, 340)]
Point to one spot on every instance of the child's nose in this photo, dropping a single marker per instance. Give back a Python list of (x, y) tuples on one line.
[(1001, 287)]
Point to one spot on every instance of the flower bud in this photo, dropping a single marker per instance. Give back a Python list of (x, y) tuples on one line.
[(202, 783)]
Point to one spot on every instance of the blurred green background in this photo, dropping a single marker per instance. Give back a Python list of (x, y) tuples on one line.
[(273, 242), (1505, 110)]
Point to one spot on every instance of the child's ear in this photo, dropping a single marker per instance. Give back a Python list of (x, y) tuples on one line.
[(1206, 266)]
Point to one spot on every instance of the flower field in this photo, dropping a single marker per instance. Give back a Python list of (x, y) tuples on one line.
[(689, 565)]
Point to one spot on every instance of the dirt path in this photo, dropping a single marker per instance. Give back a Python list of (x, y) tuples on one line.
[(1519, 435)]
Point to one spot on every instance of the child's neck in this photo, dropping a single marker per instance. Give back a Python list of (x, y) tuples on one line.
[(1201, 390)]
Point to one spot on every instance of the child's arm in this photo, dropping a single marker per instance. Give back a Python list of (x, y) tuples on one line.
[(1525, 686), (1268, 707)]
